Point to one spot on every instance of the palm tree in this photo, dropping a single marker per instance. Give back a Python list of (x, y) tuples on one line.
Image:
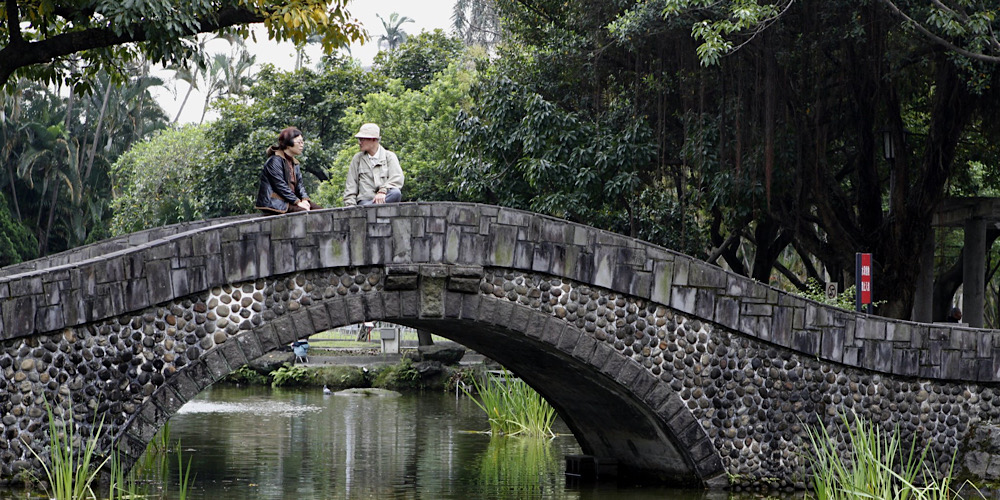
[(476, 22), (394, 35), (228, 75)]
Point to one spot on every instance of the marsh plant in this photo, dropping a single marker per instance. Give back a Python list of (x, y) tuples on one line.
[(878, 466), (513, 407), (74, 466)]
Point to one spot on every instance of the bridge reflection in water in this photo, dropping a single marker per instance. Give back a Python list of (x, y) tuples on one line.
[(680, 371)]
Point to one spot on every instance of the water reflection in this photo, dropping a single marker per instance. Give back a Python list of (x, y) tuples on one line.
[(260, 443), (513, 467)]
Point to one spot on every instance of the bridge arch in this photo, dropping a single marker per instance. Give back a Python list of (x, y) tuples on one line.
[(677, 369)]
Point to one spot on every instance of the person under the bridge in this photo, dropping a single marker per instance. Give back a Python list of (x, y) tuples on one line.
[(374, 176), (281, 189)]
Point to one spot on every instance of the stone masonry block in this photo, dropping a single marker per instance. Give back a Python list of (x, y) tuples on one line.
[(337, 312), (408, 302), (541, 259), (554, 329), (319, 317), (602, 351), (613, 365), (284, 329), (643, 384), (358, 240), (628, 373), (158, 278), (536, 326), (470, 306), (569, 339), (250, 344), (301, 325), (502, 245), (584, 348), (605, 266), (216, 364), (206, 243), (234, 355), (453, 304), (402, 240), (662, 282), (374, 307), (683, 299), (671, 407), (356, 309)]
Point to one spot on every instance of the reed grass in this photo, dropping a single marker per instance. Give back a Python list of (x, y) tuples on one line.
[(879, 466), (513, 408), (73, 466), (70, 473)]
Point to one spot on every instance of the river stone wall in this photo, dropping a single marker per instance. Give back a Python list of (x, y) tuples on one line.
[(756, 400), (115, 366)]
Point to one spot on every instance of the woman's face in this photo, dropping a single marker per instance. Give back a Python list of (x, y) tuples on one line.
[(298, 145)]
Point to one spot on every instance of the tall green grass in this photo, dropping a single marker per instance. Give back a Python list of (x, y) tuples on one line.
[(73, 466), (513, 407), (878, 466), (70, 473)]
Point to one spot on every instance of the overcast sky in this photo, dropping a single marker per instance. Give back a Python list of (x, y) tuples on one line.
[(427, 15)]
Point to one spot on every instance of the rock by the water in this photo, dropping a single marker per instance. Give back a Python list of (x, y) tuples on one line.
[(367, 391), (448, 353)]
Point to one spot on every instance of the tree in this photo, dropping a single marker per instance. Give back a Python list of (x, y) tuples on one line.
[(155, 182), (418, 125), (41, 39), (58, 150), (312, 100), (476, 22), (775, 148), (394, 35), (420, 58)]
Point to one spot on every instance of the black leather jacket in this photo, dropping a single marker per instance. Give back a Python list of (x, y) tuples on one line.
[(275, 191)]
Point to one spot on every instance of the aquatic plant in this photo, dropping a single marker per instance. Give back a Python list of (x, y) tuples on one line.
[(70, 471), (878, 466), (513, 407), (287, 376)]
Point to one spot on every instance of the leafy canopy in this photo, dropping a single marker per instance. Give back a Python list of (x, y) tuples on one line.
[(70, 41)]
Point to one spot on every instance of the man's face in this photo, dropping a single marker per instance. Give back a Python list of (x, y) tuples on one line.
[(367, 145)]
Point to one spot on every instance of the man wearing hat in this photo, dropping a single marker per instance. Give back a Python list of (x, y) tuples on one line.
[(374, 176)]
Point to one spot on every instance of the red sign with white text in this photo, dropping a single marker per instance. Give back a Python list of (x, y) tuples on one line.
[(864, 278)]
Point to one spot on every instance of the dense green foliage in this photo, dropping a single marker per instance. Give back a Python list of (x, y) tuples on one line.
[(156, 182), (418, 126), (56, 157), (769, 160), (416, 62), (313, 101), (72, 42)]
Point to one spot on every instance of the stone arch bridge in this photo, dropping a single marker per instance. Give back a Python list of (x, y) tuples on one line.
[(680, 371)]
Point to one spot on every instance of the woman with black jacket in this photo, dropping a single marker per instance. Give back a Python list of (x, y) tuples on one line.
[(281, 189)]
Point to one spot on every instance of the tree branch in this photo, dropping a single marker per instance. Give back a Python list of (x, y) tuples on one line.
[(18, 55), (13, 24), (941, 41)]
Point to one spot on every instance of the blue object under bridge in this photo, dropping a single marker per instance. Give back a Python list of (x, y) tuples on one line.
[(677, 369)]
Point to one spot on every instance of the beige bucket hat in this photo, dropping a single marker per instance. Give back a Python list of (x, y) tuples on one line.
[(368, 131)]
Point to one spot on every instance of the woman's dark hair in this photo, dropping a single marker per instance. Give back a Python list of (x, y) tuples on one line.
[(286, 139)]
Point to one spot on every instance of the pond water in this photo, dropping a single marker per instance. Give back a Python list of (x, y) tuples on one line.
[(262, 443), (301, 444)]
